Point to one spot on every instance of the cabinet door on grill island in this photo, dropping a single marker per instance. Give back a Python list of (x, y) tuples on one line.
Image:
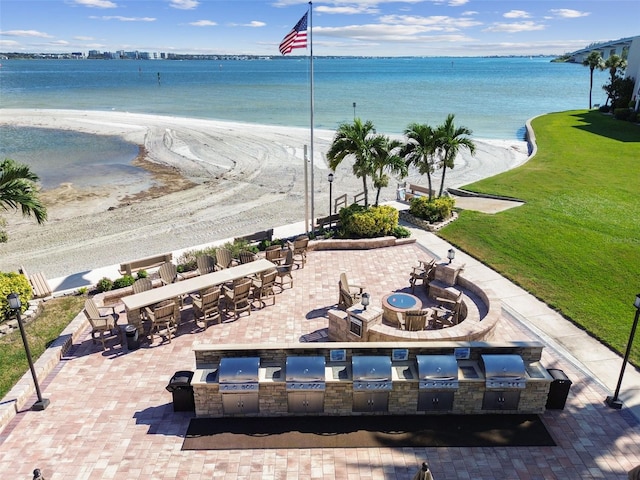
[(434, 400), (501, 400), (240, 403), (370, 401), (306, 402)]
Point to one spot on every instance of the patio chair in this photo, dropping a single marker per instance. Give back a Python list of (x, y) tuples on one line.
[(142, 285), (224, 258), (299, 247), (345, 299), (206, 306), (102, 325), (246, 256), (162, 316), (275, 254), (283, 271), (236, 299), (354, 291), (263, 286), (447, 313), (206, 264), (424, 272), (416, 320), (168, 273)]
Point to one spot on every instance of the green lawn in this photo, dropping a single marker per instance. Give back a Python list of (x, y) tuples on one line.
[(575, 244)]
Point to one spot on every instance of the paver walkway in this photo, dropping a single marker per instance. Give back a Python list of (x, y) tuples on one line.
[(111, 418)]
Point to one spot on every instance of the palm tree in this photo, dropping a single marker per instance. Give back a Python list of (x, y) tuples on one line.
[(420, 149), (387, 159), (18, 189), (355, 139), (450, 139), (613, 64), (593, 61)]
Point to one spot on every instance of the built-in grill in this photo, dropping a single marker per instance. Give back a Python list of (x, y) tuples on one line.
[(504, 371), (437, 372), (239, 374), (305, 373), (371, 373)]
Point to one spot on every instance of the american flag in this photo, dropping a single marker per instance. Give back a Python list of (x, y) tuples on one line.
[(296, 38)]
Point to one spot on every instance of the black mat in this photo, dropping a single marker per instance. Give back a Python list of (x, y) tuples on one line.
[(367, 431)]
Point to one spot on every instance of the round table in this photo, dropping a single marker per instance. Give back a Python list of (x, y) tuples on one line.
[(395, 303)]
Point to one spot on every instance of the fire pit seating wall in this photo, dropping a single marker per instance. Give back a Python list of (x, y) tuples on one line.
[(327, 379)]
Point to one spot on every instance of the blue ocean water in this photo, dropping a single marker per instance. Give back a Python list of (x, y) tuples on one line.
[(492, 96)]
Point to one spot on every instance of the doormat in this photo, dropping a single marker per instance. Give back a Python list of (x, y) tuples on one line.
[(507, 430)]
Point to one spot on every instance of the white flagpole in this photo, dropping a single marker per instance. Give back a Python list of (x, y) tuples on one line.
[(312, 107)]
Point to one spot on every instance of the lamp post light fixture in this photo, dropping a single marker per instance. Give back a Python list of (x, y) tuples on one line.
[(614, 402), (365, 300), (451, 254), (16, 306)]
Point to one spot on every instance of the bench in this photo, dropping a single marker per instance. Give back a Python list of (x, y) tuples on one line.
[(322, 223), (412, 190), (265, 235), (39, 284), (129, 268)]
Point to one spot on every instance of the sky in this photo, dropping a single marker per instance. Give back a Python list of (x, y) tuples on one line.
[(356, 27)]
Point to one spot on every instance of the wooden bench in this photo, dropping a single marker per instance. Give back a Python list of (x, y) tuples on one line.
[(412, 190), (265, 235), (129, 268), (39, 284), (322, 223)]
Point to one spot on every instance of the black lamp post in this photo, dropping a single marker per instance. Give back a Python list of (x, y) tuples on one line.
[(451, 254), (365, 300), (330, 179), (614, 402), (354, 110), (16, 305)]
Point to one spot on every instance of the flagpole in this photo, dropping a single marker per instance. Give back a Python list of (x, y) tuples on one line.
[(312, 108)]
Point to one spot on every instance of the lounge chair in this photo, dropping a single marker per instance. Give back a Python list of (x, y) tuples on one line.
[(102, 325), (424, 272), (447, 313), (416, 320), (345, 299)]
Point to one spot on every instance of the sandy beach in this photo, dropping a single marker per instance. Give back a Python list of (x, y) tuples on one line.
[(212, 180)]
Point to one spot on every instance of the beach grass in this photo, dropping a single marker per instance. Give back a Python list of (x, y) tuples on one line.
[(57, 313), (575, 244)]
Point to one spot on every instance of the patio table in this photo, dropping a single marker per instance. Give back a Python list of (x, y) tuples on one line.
[(133, 303)]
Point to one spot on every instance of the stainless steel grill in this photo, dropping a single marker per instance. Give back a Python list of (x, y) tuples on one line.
[(437, 372), (504, 371), (305, 373), (371, 373), (238, 374)]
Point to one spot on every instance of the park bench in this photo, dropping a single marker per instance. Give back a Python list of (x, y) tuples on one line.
[(129, 268), (264, 235), (39, 284), (412, 190), (323, 223)]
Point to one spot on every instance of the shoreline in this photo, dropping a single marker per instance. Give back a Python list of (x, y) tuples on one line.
[(213, 180)]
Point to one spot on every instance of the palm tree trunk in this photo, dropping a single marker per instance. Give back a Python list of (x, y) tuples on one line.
[(429, 182), (366, 191), (444, 170), (590, 87)]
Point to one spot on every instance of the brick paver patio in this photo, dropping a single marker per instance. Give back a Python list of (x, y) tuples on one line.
[(110, 416)]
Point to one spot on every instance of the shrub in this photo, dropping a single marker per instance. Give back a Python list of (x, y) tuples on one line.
[(622, 114), (401, 232), (83, 290), (122, 282), (432, 211), (142, 274), (360, 222), (104, 285), (13, 283), (604, 109)]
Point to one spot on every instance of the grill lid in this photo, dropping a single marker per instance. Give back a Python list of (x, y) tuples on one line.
[(437, 367), (503, 367), (371, 368), (239, 370), (305, 369)]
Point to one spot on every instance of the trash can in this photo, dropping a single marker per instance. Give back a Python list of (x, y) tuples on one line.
[(559, 389), (180, 387), (131, 332)]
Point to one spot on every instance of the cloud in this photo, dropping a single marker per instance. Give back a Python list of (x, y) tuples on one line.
[(516, 14), (8, 43), (568, 13), (347, 10), (439, 22), (96, 3), (83, 39), (254, 24), (203, 23), (123, 19), (515, 27), (25, 33), (184, 4), (388, 33)]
